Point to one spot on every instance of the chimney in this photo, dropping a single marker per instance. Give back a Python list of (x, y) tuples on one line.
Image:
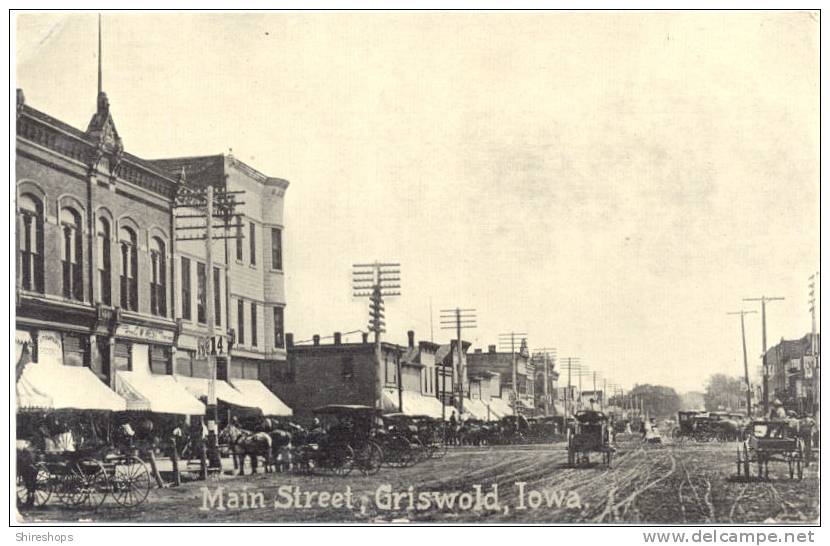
[(491, 348), (478, 351), (337, 338), (365, 337), (289, 341), (411, 335), (316, 339)]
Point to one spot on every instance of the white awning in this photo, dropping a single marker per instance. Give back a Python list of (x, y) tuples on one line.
[(500, 408), (156, 393), (54, 386), (414, 403), (199, 387), (478, 410), (256, 393)]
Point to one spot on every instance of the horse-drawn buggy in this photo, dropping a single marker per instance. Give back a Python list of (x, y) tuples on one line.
[(707, 426), (348, 443), (591, 434), (64, 456), (513, 429), (408, 439), (768, 441)]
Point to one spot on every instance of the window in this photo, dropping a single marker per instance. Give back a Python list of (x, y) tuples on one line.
[(72, 254), (129, 269), (186, 310), (31, 243), (104, 262), (240, 320), (158, 283), (348, 367), (217, 296), (276, 248), (239, 237), (279, 327), (253, 243), (201, 292), (253, 325), (391, 370)]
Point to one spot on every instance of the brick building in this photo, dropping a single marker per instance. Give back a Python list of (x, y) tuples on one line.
[(792, 368), (502, 363), (94, 245), (318, 374)]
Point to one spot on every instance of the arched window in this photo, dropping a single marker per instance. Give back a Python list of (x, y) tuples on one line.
[(104, 261), (158, 282), (72, 251), (30, 211), (129, 269)]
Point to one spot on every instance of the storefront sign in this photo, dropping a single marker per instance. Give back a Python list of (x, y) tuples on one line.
[(144, 333), (49, 348)]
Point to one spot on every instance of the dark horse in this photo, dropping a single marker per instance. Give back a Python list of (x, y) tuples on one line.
[(243, 443)]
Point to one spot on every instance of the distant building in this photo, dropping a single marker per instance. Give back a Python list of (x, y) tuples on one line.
[(792, 368), (501, 363), (319, 374)]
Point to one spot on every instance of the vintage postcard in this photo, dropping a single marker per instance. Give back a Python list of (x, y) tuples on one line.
[(446, 267)]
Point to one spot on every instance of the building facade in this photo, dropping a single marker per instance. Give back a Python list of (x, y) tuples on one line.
[(502, 363), (249, 266), (793, 370), (94, 247)]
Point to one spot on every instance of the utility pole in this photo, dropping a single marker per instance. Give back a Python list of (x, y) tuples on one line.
[(746, 365), (221, 205), (570, 362), (456, 319), (377, 280), (765, 384), (548, 358), (503, 341)]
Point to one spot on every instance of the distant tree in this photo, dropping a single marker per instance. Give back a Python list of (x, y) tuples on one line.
[(692, 400), (723, 393), (658, 400)]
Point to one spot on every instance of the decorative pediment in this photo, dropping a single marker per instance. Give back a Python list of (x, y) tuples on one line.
[(102, 128)]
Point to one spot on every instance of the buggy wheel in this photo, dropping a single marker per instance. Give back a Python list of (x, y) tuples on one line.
[(73, 491), (42, 486), (130, 482), (344, 461), (96, 483), (370, 458)]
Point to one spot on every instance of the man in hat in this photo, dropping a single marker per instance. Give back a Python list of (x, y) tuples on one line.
[(777, 410)]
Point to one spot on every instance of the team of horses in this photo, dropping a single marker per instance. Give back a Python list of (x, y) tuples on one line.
[(280, 445)]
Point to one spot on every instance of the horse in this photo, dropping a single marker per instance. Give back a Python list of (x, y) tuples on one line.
[(244, 443)]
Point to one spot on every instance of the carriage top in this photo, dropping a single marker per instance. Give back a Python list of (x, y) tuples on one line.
[(407, 417), (346, 409), (590, 416)]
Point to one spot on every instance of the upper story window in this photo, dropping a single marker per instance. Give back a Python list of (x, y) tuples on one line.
[(30, 212), (201, 292), (276, 249), (158, 282), (104, 261), (72, 254), (129, 269), (217, 296), (240, 322), (252, 238), (279, 327), (186, 289), (239, 237), (254, 336)]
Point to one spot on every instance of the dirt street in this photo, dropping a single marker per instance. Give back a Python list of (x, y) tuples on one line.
[(690, 483)]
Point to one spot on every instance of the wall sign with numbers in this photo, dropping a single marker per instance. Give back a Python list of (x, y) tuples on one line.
[(212, 346)]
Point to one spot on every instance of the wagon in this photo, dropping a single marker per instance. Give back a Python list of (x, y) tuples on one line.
[(399, 439), (590, 434), (84, 478), (349, 443), (771, 441)]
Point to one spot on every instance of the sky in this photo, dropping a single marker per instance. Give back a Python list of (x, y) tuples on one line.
[(611, 184)]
